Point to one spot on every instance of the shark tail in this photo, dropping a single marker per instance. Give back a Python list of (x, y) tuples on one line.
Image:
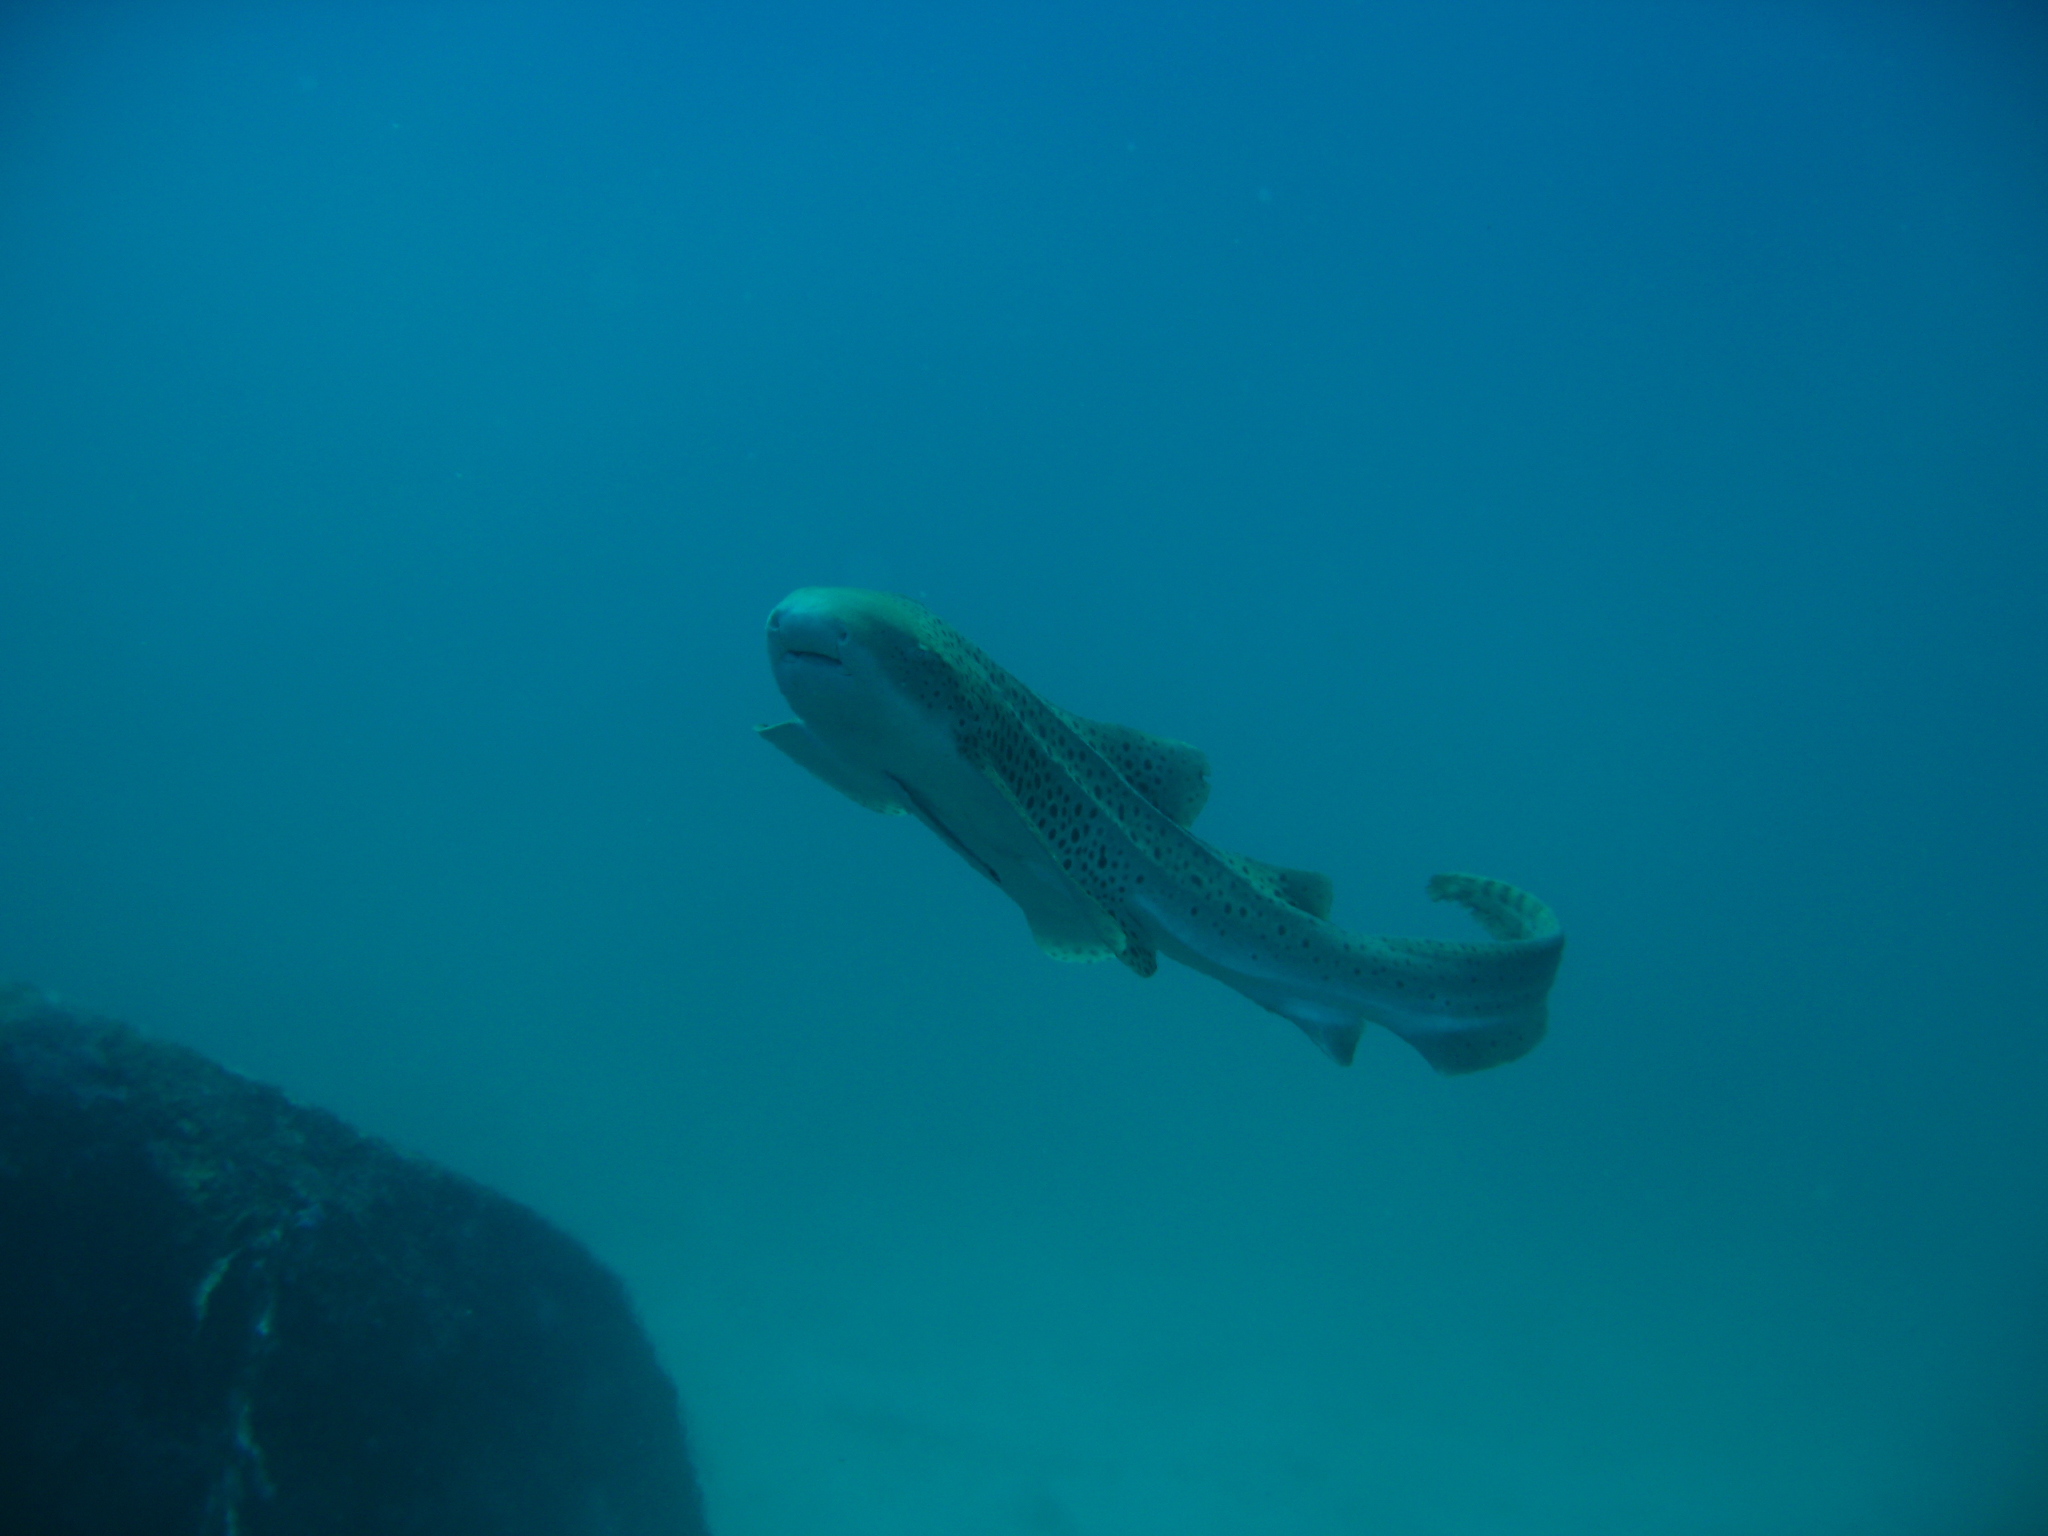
[(1497, 1007), (1459, 1045), (1503, 910)]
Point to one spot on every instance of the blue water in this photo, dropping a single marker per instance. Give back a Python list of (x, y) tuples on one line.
[(1601, 446)]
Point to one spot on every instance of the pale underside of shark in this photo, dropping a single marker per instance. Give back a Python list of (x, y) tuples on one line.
[(1086, 826)]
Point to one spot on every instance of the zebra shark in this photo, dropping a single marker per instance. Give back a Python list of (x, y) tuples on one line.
[(1087, 826)]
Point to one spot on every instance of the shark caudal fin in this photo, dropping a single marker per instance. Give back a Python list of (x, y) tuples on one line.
[(1455, 1045), (1504, 911), (1484, 1004)]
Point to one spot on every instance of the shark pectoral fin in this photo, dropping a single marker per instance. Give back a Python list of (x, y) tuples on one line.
[(1083, 951), (1171, 774), (1067, 922), (922, 809), (1140, 959), (875, 791)]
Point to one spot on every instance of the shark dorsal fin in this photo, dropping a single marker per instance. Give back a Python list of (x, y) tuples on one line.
[(1302, 889), (1171, 774)]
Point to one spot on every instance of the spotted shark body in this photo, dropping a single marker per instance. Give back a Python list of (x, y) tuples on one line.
[(1086, 826)]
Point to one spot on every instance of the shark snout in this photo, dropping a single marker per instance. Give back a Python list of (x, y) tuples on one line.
[(802, 629)]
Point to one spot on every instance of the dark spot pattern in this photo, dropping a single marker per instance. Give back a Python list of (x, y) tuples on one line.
[(1103, 829), (1092, 794), (1170, 774)]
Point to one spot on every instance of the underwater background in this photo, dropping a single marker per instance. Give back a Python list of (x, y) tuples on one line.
[(1595, 445)]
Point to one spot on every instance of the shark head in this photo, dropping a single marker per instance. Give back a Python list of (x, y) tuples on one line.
[(848, 659), (878, 687)]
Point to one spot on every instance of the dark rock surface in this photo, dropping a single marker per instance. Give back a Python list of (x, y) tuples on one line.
[(223, 1313)]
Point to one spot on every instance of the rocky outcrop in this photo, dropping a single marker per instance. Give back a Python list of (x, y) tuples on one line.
[(221, 1312)]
